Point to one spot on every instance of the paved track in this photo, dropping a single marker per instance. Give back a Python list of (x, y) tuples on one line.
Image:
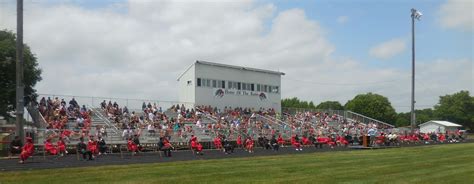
[(70, 161)]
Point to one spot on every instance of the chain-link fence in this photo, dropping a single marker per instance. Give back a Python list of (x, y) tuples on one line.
[(131, 104)]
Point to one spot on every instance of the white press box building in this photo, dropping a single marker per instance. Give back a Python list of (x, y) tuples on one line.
[(222, 85)]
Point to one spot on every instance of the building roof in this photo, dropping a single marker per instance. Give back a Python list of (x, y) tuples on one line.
[(444, 123), (231, 66)]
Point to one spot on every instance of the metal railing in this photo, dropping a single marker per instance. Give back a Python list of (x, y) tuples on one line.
[(104, 119), (130, 103), (364, 119)]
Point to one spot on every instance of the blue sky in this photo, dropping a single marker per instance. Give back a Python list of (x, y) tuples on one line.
[(371, 22), (320, 45)]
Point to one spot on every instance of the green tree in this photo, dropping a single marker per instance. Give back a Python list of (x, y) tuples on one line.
[(296, 103), (457, 108), (32, 73), (373, 105), (334, 105), (403, 119), (422, 116)]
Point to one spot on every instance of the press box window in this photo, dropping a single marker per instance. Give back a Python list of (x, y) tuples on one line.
[(214, 83), (199, 82)]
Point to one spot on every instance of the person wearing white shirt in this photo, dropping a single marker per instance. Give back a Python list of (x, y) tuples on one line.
[(151, 129)]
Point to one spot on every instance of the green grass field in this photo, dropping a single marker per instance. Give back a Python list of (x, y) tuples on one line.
[(427, 164)]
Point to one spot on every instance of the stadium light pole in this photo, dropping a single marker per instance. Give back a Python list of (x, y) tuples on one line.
[(19, 70), (415, 14)]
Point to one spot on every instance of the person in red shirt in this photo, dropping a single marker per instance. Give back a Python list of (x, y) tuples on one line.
[(50, 148), (239, 141), (27, 150), (249, 144), (61, 146)]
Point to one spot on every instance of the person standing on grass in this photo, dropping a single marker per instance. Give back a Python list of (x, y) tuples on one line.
[(371, 133)]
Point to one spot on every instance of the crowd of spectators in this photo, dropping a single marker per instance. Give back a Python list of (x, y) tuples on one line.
[(57, 113)]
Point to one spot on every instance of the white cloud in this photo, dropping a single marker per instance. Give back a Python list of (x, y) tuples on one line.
[(138, 53), (388, 49), (342, 19), (457, 14)]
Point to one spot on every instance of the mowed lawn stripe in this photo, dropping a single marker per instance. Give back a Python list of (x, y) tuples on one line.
[(453, 163)]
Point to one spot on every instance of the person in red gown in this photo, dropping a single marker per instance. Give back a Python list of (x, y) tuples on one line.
[(92, 146), (249, 144), (426, 138), (280, 141), (329, 141), (132, 147), (195, 145), (50, 148), (218, 142), (239, 141), (61, 146), (295, 141), (441, 137), (342, 141), (27, 150), (305, 140)]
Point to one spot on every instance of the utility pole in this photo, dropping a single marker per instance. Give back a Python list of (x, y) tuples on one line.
[(415, 14), (19, 71)]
